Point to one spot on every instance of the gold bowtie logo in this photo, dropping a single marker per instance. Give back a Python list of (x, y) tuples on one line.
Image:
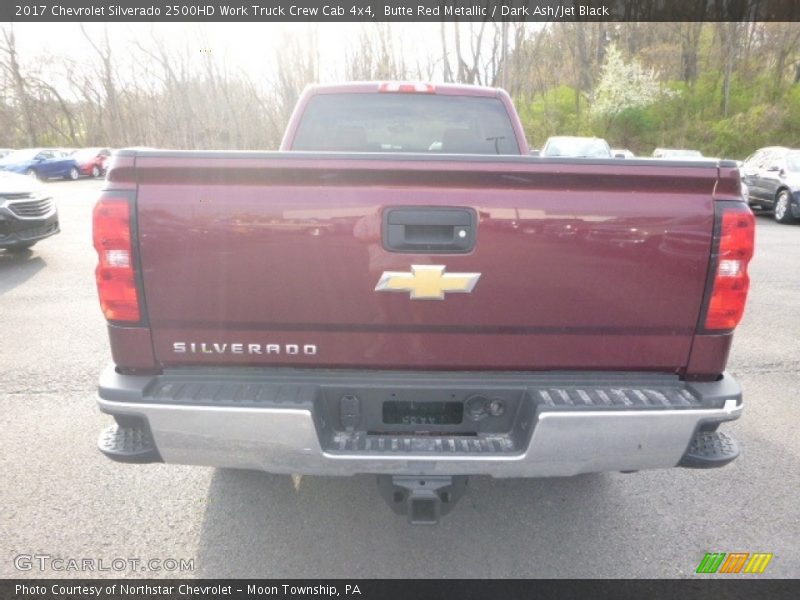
[(427, 282)]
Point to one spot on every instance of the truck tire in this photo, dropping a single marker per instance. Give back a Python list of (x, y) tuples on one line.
[(783, 209)]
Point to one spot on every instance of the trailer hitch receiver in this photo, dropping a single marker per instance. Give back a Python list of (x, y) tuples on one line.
[(423, 499)]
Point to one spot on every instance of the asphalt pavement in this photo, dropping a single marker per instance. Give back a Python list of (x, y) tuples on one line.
[(60, 498)]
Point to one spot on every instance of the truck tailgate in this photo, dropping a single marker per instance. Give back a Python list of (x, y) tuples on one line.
[(273, 259)]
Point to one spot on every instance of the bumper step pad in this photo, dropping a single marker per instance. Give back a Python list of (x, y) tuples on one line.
[(128, 445), (406, 444), (710, 449)]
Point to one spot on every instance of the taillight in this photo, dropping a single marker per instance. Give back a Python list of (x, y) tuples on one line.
[(407, 88), (731, 282), (116, 279)]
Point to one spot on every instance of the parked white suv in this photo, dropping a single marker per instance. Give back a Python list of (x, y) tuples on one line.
[(579, 147)]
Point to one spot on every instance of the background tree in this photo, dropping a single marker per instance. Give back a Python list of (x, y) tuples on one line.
[(730, 86), (624, 87)]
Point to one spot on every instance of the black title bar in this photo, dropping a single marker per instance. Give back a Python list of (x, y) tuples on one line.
[(699, 587), (398, 10)]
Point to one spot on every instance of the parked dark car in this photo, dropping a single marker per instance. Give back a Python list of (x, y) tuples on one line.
[(772, 176), (61, 166), (27, 213), (91, 162), (759, 158)]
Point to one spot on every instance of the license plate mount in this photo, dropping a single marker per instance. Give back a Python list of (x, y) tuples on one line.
[(403, 412)]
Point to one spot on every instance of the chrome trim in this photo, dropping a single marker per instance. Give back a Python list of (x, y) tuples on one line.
[(9, 203), (285, 440)]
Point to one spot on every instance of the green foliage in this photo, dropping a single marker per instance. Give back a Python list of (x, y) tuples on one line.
[(631, 127), (560, 111), (792, 125), (635, 97), (690, 117)]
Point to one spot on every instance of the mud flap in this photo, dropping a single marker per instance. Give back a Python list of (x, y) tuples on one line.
[(423, 499)]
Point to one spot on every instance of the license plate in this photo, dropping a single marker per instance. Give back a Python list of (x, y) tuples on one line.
[(396, 412)]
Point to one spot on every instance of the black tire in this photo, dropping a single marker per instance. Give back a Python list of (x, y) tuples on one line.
[(783, 207), (95, 171), (32, 174), (19, 247), (709, 426), (73, 174)]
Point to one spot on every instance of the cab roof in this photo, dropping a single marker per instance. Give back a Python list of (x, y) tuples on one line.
[(374, 87)]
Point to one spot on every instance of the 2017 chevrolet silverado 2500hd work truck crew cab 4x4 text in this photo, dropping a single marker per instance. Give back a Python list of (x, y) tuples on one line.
[(404, 291)]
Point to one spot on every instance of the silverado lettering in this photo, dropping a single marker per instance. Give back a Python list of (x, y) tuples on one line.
[(242, 348), (482, 311)]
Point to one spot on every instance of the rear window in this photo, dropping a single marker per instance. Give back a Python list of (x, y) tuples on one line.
[(405, 123)]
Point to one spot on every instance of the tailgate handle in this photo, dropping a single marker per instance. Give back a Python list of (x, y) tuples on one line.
[(429, 230)]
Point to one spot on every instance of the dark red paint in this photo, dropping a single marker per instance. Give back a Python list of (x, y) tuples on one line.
[(582, 266)]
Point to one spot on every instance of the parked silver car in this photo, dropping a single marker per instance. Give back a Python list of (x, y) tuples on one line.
[(27, 213)]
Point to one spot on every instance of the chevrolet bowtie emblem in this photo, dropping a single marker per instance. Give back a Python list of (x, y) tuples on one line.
[(427, 282)]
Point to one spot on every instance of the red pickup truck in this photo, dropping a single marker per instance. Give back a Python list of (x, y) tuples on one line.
[(404, 291)]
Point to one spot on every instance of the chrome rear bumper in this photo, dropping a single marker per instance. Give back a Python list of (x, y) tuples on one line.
[(296, 435)]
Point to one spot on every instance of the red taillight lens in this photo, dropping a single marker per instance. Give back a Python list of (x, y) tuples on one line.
[(731, 282), (116, 280)]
